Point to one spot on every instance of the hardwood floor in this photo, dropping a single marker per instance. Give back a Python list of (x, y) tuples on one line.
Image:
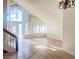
[(38, 49)]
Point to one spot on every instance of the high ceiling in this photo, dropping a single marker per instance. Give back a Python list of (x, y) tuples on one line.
[(43, 9)]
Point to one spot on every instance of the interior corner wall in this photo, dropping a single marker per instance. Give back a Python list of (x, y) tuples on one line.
[(51, 30), (69, 30)]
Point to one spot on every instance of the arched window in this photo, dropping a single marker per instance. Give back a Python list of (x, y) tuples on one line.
[(14, 14), (17, 18)]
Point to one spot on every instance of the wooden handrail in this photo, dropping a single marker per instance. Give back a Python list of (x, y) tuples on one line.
[(9, 33)]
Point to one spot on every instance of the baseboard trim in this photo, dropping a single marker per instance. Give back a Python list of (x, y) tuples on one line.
[(53, 39), (69, 52)]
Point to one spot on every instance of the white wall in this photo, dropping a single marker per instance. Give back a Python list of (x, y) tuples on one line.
[(55, 27), (47, 11), (69, 30)]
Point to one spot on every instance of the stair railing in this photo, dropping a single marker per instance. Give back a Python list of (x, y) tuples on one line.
[(10, 39)]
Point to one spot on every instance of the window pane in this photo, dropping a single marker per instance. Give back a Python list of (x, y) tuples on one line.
[(14, 14), (19, 15)]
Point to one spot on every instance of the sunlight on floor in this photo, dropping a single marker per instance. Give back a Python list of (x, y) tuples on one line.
[(44, 48), (56, 47)]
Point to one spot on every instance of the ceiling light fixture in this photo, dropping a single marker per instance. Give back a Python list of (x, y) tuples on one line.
[(63, 4)]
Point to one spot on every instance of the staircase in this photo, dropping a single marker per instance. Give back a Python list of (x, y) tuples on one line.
[(10, 42)]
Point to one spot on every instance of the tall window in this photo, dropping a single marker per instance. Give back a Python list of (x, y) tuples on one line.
[(14, 18), (27, 29), (20, 31), (14, 14), (39, 29)]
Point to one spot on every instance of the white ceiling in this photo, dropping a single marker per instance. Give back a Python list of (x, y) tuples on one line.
[(43, 9)]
